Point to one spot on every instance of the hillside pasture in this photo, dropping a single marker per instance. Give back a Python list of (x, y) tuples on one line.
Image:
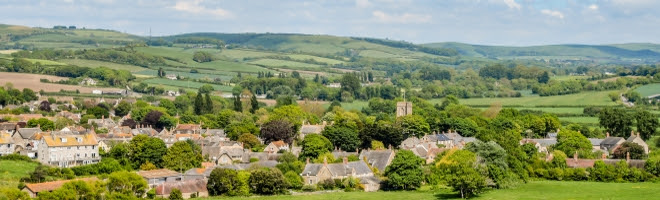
[(96, 63), (32, 81), (185, 84), (598, 98), (648, 90), (12, 171), (44, 62), (284, 64)]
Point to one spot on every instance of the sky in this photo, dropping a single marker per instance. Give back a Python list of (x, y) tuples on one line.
[(487, 22)]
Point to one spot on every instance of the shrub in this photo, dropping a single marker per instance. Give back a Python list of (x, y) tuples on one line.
[(309, 188), (294, 180), (267, 182), (327, 184), (556, 174), (351, 184)]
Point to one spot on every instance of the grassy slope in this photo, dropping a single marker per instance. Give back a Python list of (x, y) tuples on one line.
[(649, 89), (532, 190), (583, 98), (95, 63), (12, 171)]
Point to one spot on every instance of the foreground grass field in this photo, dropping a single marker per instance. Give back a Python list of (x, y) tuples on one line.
[(532, 190), (11, 172)]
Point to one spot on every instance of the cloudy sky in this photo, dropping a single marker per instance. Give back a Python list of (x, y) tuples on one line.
[(492, 22)]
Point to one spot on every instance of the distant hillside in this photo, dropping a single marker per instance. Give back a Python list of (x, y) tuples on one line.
[(22, 37), (648, 53)]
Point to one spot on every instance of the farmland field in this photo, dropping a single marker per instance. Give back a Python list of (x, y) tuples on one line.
[(531, 190), (21, 80), (185, 84), (648, 90), (599, 98), (284, 63), (582, 120), (44, 62), (12, 171), (95, 63)]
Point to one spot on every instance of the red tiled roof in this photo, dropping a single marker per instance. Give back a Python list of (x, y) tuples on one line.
[(53, 185)]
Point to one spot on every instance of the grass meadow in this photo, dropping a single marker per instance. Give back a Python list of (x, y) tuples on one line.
[(532, 190), (12, 171)]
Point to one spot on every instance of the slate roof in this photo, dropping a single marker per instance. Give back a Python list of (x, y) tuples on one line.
[(311, 129), (595, 141), (545, 142), (8, 126), (187, 186), (632, 138), (339, 169), (27, 133), (378, 158), (219, 132), (158, 173), (611, 140)]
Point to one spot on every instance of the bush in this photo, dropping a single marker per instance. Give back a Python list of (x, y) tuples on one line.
[(309, 188), (268, 182), (351, 184), (16, 157), (556, 174), (294, 180), (327, 184)]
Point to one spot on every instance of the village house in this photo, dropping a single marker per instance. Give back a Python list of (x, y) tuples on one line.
[(610, 143), (171, 76), (276, 146), (68, 150), (159, 176), (635, 138), (187, 129), (6, 143), (315, 173), (102, 123), (33, 189), (27, 140), (307, 129), (87, 81), (224, 152), (188, 188), (9, 127)]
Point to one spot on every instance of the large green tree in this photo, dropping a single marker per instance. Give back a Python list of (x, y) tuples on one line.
[(570, 142), (181, 157), (268, 182), (128, 183), (143, 148), (223, 181), (123, 108), (405, 172), (616, 120), (314, 145), (342, 137), (647, 123), (278, 130), (461, 171)]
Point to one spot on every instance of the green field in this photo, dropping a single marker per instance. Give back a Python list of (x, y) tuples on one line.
[(582, 120), (556, 110), (95, 63), (565, 78), (599, 98), (648, 90), (11, 172), (185, 84), (44, 62), (285, 64), (532, 190)]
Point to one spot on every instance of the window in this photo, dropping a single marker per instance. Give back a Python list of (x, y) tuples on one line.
[(78, 147), (93, 155), (93, 147)]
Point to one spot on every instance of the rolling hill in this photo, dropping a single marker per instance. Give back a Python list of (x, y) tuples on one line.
[(619, 53)]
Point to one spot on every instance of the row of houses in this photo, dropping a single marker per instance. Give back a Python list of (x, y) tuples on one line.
[(607, 145)]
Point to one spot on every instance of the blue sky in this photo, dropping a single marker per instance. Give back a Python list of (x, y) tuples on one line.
[(491, 22)]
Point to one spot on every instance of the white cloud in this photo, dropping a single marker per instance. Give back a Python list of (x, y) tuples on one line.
[(405, 18), (195, 8), (512, 4), (362, 3), (553, 13), (593, 7)]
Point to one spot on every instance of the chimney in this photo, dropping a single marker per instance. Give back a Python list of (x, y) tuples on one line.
[(308, 160), (39, 126), (390, 147), (325, 161), (603, 156), (632, 133), (627, 156), (429, 146), (607, 134), (637, 133), (345, 160), (575, 156), (102, 118)]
